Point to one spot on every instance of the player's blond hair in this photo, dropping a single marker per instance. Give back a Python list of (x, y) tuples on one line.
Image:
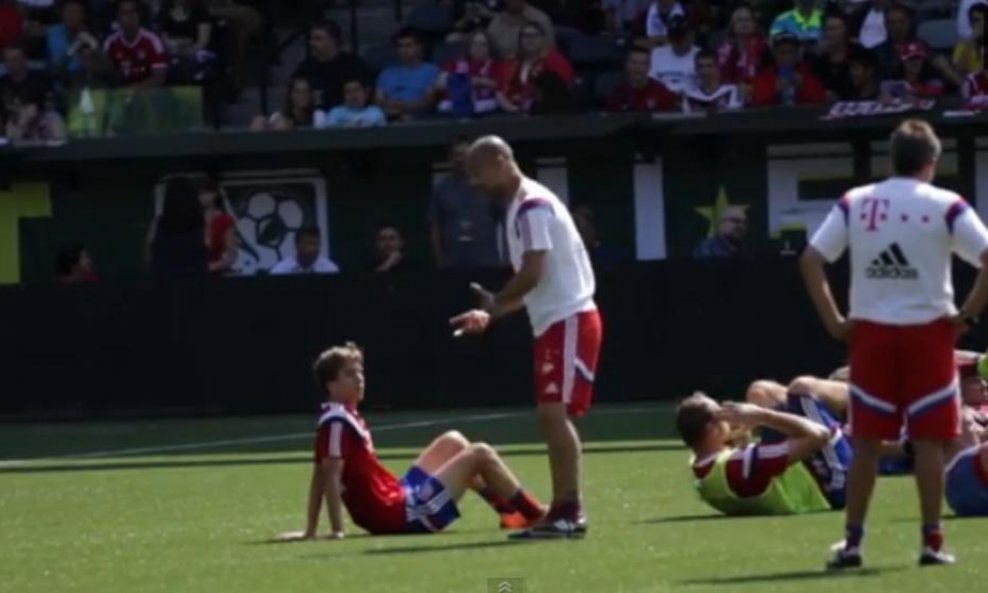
[(329, 364)]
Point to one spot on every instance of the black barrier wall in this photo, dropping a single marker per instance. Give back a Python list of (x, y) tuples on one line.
[(245, 345)]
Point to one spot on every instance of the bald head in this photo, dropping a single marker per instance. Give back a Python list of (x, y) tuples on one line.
[(734, 223), (491, 166)]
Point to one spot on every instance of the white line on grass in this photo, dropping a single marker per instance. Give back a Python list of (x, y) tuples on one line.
[(279, 437)]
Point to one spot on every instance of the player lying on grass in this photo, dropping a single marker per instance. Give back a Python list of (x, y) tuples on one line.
[(799, 465), (348, 473)]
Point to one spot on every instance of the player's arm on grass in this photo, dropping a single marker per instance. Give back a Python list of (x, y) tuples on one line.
[(332, 470), (829, 242)]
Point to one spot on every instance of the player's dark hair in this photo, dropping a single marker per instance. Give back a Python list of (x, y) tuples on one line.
[(330, 28), (329, 364), (693, 415), (309, 230), (914, 145), (68, 258), (408, 33)]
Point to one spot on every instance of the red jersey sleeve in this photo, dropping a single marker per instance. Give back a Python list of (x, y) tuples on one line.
[(159, 56), (812, 90), (763, 89), (751, 470), (334, 440), (558, 65)]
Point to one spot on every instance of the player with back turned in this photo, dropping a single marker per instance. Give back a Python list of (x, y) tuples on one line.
[(554, 281), (902, 324)]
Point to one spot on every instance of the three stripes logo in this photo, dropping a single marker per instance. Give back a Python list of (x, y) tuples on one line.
[(891, 264)]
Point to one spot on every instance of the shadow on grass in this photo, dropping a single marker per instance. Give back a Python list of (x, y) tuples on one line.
[(590, 449), (797, 575), (446, 547), (692, 518)]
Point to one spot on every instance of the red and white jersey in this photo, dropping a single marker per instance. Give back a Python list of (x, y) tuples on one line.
[(751, 469), (901, 234), (538, 221), (975, 85), (372, 495), (136, 59), (696, 100)]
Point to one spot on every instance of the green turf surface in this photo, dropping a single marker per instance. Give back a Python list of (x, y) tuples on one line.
[(193, 520)]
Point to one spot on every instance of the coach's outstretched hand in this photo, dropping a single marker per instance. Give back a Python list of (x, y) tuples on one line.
[(485, 298), (472, 322)]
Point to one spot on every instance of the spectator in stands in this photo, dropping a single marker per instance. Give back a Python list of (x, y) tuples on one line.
[(710, 94), (35, 122), (741, 54), (468, 84), (328, 67), (307, 258), (187, 31), (969, 53), (355, 111), (177, 246), (517, 91), (463, 222), (975, 90), (506, 27), (674, 64), (36, 15), (221, 229), (74, 264), (68, 39), (638, 92), (869, 22), (10, 24), (916, 82), (899, 26), (964, 28), (623, 16), (390, 250), (469, 17), (657, 20), (865, 83), (804, 21), (244, 23), (21, 86), (832, 64), (601, 255), (408, 89), (729, 241), (297, 111), (788, 80), (138, 54)]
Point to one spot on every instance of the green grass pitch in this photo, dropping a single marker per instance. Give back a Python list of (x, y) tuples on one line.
[(193, 519)]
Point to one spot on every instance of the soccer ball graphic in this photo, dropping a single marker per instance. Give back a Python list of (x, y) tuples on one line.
[(267, 222)]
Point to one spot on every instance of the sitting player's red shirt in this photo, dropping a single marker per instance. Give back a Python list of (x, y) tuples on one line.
[(371, 494), (750, 469)]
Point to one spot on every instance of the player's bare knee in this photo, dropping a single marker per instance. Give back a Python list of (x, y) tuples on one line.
[(455, 438), (483, 453), (803, 385)]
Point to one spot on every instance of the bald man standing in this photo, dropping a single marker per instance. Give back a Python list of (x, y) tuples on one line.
[(554, 281), (732, 228)]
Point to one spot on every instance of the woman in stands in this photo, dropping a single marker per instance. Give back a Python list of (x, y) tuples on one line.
[(468, 84), (297, 112), (741, 54), (969, 53), (517, 90)]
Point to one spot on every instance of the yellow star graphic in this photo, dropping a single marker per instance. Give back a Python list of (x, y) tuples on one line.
[(714, 211)]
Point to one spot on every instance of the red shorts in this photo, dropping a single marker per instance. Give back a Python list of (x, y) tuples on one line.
[(904, 374), (566, 360)]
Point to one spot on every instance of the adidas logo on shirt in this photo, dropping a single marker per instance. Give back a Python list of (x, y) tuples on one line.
[(891, 264)]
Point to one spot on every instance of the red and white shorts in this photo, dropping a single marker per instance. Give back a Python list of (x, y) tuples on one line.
[(904, 374), (566, 357)]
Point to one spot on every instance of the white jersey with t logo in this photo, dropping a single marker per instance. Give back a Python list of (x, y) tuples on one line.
[(901, 234), (537, 220)]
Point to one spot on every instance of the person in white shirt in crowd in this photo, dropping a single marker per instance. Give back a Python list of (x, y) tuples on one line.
[(870, 20), (354, 112), (902, 326), (657, 20), (308, 258), (674, 65), (710, 94)]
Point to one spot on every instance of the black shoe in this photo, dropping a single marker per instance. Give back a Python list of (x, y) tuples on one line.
[(554, 529), (931, 557), (843, 557)]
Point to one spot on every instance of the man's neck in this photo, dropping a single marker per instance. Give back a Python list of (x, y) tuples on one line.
[(709, 86), (131, 35), (638, 83), (511, 188), (327, 57), (681, 50)]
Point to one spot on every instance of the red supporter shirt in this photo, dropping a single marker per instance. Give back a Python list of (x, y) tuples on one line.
[(740, 64), (139, 58), (218, 228), (654, 96), (477, 69), (749, 470), (764, 91), (372, 495), (975, 85), (10, 25), (518, 82)]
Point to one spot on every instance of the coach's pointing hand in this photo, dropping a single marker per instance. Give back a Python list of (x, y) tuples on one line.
[(472, 322), (484, 296)]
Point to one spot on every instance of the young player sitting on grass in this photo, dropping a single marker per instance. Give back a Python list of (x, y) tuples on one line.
[(799, 466), (348, 473)]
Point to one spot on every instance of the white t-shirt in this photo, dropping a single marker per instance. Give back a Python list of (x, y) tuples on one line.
[(655, 24), (538, 221), (696, 100), (677, 72), (873, 31), (290, 265), (901, 233), (964, 30)]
